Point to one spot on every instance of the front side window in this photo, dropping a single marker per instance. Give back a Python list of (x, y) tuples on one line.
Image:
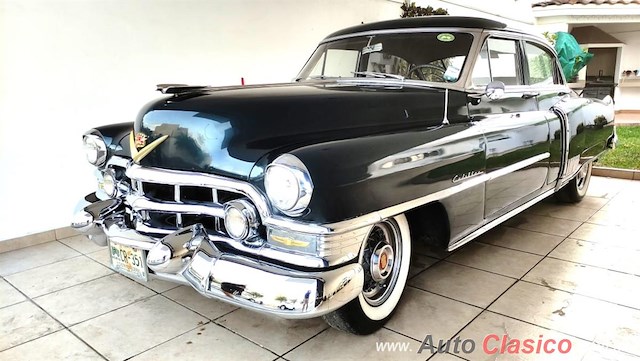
[(497, 61), (540, 64), (428, 56)]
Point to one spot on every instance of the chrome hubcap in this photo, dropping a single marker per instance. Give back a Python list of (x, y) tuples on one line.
[(582, 177), (381, 263), (381, 258)]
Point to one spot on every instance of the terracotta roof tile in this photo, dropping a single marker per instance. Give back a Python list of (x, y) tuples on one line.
[(584, 2)]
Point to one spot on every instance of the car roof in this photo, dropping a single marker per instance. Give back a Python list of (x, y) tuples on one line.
[(435, 21)]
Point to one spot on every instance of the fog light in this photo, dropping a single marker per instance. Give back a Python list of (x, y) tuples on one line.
[(109, 184), (240, 219)]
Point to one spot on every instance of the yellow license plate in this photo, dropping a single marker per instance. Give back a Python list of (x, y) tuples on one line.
[(128, 261)]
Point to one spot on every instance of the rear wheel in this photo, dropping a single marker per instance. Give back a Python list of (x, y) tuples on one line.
[(576, 189), (385, 259)]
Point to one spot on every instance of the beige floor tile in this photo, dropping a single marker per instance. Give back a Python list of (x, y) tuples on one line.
[(592, 203), (617, 217), (601, 187), (462, 283), (623, 201), (521, 240), (549, 225), (9, 295), (586, 280), (563, 211), (24, 322), (508, 262), (622, 331), (56, 276), (190, 298), (93, 298), (209, 341), (276, 334), (489, 323), (446, 357), (557, 310), (336, 345), (158, 285), (138, 327), (611, 235), (421, 312), (101, 256), (419, 263), (81, 244), (34, 256), (61, 345), (599, 255)]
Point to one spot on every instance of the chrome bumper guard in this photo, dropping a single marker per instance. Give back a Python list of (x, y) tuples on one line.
[(190, 256)]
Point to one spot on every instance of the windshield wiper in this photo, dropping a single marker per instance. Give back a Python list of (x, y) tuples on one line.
[(378, 74)]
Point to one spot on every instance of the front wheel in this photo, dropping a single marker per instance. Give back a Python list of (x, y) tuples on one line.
[(576, 189), (385, 257)]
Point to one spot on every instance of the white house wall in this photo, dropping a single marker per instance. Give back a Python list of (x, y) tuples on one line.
[(67, 66)]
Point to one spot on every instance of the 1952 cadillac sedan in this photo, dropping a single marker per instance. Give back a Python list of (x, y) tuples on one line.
[(305, 199)]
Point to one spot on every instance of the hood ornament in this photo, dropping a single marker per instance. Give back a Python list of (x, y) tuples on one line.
[(139, 147)]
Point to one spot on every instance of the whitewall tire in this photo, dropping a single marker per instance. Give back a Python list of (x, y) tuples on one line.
[(385, 257)]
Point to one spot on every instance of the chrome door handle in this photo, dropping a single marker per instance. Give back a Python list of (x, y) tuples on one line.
[(530, 95)]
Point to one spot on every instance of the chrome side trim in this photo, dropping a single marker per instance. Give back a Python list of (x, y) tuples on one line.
[(497, 221), (519, 165), (375, 217), (201, 179)]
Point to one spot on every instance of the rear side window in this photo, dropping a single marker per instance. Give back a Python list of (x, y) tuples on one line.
[(541, 65), (497, 61)]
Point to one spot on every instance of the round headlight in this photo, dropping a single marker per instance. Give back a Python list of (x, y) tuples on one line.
[(95, 149), (240, 219), (109, 184), (288, 185)]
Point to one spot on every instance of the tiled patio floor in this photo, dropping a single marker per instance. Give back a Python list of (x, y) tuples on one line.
[(564, 272)]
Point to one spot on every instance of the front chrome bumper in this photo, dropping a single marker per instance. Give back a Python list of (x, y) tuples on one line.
[(190, 256)]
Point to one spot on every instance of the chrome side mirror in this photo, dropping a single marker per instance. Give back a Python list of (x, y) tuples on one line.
[(494, 90)]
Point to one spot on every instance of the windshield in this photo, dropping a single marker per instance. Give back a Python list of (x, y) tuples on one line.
[(431, 56)]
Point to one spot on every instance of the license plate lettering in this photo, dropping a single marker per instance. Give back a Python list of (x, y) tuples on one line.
[(128, 261)]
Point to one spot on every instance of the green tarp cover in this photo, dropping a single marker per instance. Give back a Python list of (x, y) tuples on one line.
[(572, 57)]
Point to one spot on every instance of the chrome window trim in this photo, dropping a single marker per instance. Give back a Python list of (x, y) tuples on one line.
[(462, 78), (472, 31)]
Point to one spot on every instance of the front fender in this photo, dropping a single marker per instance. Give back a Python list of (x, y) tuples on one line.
[(116, 136), (361, 175)]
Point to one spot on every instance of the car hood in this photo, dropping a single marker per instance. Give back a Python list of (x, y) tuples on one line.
[(227, 130)]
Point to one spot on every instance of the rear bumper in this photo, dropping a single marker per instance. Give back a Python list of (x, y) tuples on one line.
[(190, 256)]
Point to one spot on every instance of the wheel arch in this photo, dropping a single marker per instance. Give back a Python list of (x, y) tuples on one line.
[(429, 224)]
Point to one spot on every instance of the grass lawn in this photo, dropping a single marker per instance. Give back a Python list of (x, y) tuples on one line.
[(627, 152)]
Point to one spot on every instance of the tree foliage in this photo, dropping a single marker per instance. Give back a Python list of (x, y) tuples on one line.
[(412, 11)]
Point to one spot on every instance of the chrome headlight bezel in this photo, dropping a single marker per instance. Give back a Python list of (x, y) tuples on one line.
[(301, 185), (109, 183), (243, 209), (95, 149)]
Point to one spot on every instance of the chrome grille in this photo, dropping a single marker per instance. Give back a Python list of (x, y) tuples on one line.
[(164, 208)]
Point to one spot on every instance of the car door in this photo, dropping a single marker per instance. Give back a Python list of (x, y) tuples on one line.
[(562, 106), (516, 132)]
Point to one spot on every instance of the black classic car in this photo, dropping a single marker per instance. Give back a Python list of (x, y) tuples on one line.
[(305, 199)]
